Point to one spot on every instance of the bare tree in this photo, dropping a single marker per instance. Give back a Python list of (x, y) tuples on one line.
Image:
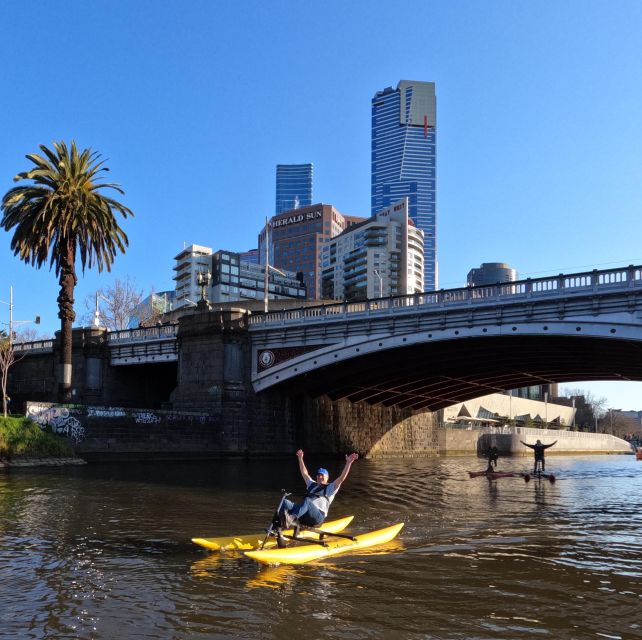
[(29, 334), (7, 358), (116, 304), (618, 424), (588, 407)]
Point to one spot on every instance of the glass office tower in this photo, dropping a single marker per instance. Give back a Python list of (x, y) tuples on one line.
[(293, 186), (404, 159)]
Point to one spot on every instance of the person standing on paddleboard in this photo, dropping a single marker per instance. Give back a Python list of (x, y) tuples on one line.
[(492, 454), (538, 449), (319, 495)]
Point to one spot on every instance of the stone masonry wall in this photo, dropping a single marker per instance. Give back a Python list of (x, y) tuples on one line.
[(374, 431)]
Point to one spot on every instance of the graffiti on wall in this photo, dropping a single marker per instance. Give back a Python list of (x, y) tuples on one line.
[(146, 417), (58, 419), (72, 422), (106, 412)]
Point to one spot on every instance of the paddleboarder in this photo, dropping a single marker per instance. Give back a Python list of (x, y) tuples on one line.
[(492, 454), (538, 448), (319, 495)]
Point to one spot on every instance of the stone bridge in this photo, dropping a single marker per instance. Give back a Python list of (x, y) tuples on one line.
[(430, 350), (367, 376)]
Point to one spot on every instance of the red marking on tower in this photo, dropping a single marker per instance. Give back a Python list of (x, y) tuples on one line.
[(427, 126)]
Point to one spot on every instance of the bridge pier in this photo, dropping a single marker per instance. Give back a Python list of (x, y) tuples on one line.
[(210, 383), (34, 377)]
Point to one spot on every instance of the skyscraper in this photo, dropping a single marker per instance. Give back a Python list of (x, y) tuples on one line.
[(293, 186), (296, 238), (404, 160)]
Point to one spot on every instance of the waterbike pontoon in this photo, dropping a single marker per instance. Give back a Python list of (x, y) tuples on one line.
[(322, 548), (250, 541)]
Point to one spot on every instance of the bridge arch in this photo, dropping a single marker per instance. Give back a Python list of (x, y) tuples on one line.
[(433, 372), (431, 350)]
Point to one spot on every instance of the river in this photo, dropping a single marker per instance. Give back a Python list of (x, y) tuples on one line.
[(104, 551)]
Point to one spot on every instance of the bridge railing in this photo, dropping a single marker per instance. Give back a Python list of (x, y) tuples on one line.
[(143, 334), (596, 281), (34, 347)]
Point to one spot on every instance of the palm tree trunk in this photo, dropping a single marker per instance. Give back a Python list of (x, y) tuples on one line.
[(67, 316)]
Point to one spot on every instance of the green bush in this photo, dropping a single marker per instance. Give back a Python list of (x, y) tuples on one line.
[(20, 437)]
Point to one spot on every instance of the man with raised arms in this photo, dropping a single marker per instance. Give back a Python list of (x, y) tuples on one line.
[(319, 495), (538, 448)]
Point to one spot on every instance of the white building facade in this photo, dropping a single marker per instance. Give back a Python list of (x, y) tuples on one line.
[(383, 256), (191, 261)]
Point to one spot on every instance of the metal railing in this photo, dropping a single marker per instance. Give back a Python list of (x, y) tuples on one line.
[(532, 288), (33, 347), (143, 334)]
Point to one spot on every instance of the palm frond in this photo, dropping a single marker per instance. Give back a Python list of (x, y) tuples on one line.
[(64, 203)]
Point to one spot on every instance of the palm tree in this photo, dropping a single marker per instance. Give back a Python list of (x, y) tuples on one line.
[(60, 214)]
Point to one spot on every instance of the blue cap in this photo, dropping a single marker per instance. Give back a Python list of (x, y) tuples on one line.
[(323, 471)]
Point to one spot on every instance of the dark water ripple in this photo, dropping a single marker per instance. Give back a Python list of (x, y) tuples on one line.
[(104, 552)]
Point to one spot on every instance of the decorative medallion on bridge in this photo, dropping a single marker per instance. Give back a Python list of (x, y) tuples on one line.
[(269, 357), (266, 359)]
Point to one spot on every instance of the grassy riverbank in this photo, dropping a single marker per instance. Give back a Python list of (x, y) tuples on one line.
[(20, 437)]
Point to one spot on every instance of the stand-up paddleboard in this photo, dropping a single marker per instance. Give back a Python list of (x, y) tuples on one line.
[(543, 476), (492, 475), (254, 540), (306, 553)]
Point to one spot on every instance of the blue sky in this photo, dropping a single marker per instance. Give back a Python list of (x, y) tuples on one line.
[(194, 103)]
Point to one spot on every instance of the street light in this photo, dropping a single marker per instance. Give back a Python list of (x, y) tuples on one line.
[(266, 275), (611, 418), (573, 414), (202, 280), (99, 296), (12, 322)]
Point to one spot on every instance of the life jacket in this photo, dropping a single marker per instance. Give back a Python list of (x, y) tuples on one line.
[(315, 492)]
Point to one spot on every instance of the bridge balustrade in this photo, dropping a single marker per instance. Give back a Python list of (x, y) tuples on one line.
[(605, 280), (143, 334), (33, 347)]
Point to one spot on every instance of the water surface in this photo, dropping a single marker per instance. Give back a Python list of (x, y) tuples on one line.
[(104, 551)]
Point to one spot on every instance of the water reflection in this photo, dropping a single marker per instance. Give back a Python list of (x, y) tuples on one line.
[(104, 552)]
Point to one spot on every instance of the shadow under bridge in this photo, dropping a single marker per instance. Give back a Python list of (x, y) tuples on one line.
[(432, 350)]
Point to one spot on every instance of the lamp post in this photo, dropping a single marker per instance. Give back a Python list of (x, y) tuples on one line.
[(13, 322), (573, 414), (202, 279), (10, 304), (611, 418), (268, 268), (99, 297)]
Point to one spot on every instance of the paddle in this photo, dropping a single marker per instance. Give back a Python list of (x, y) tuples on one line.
[(270, 530)]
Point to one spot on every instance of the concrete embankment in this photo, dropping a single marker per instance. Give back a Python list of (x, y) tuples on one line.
[(507, 440)]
